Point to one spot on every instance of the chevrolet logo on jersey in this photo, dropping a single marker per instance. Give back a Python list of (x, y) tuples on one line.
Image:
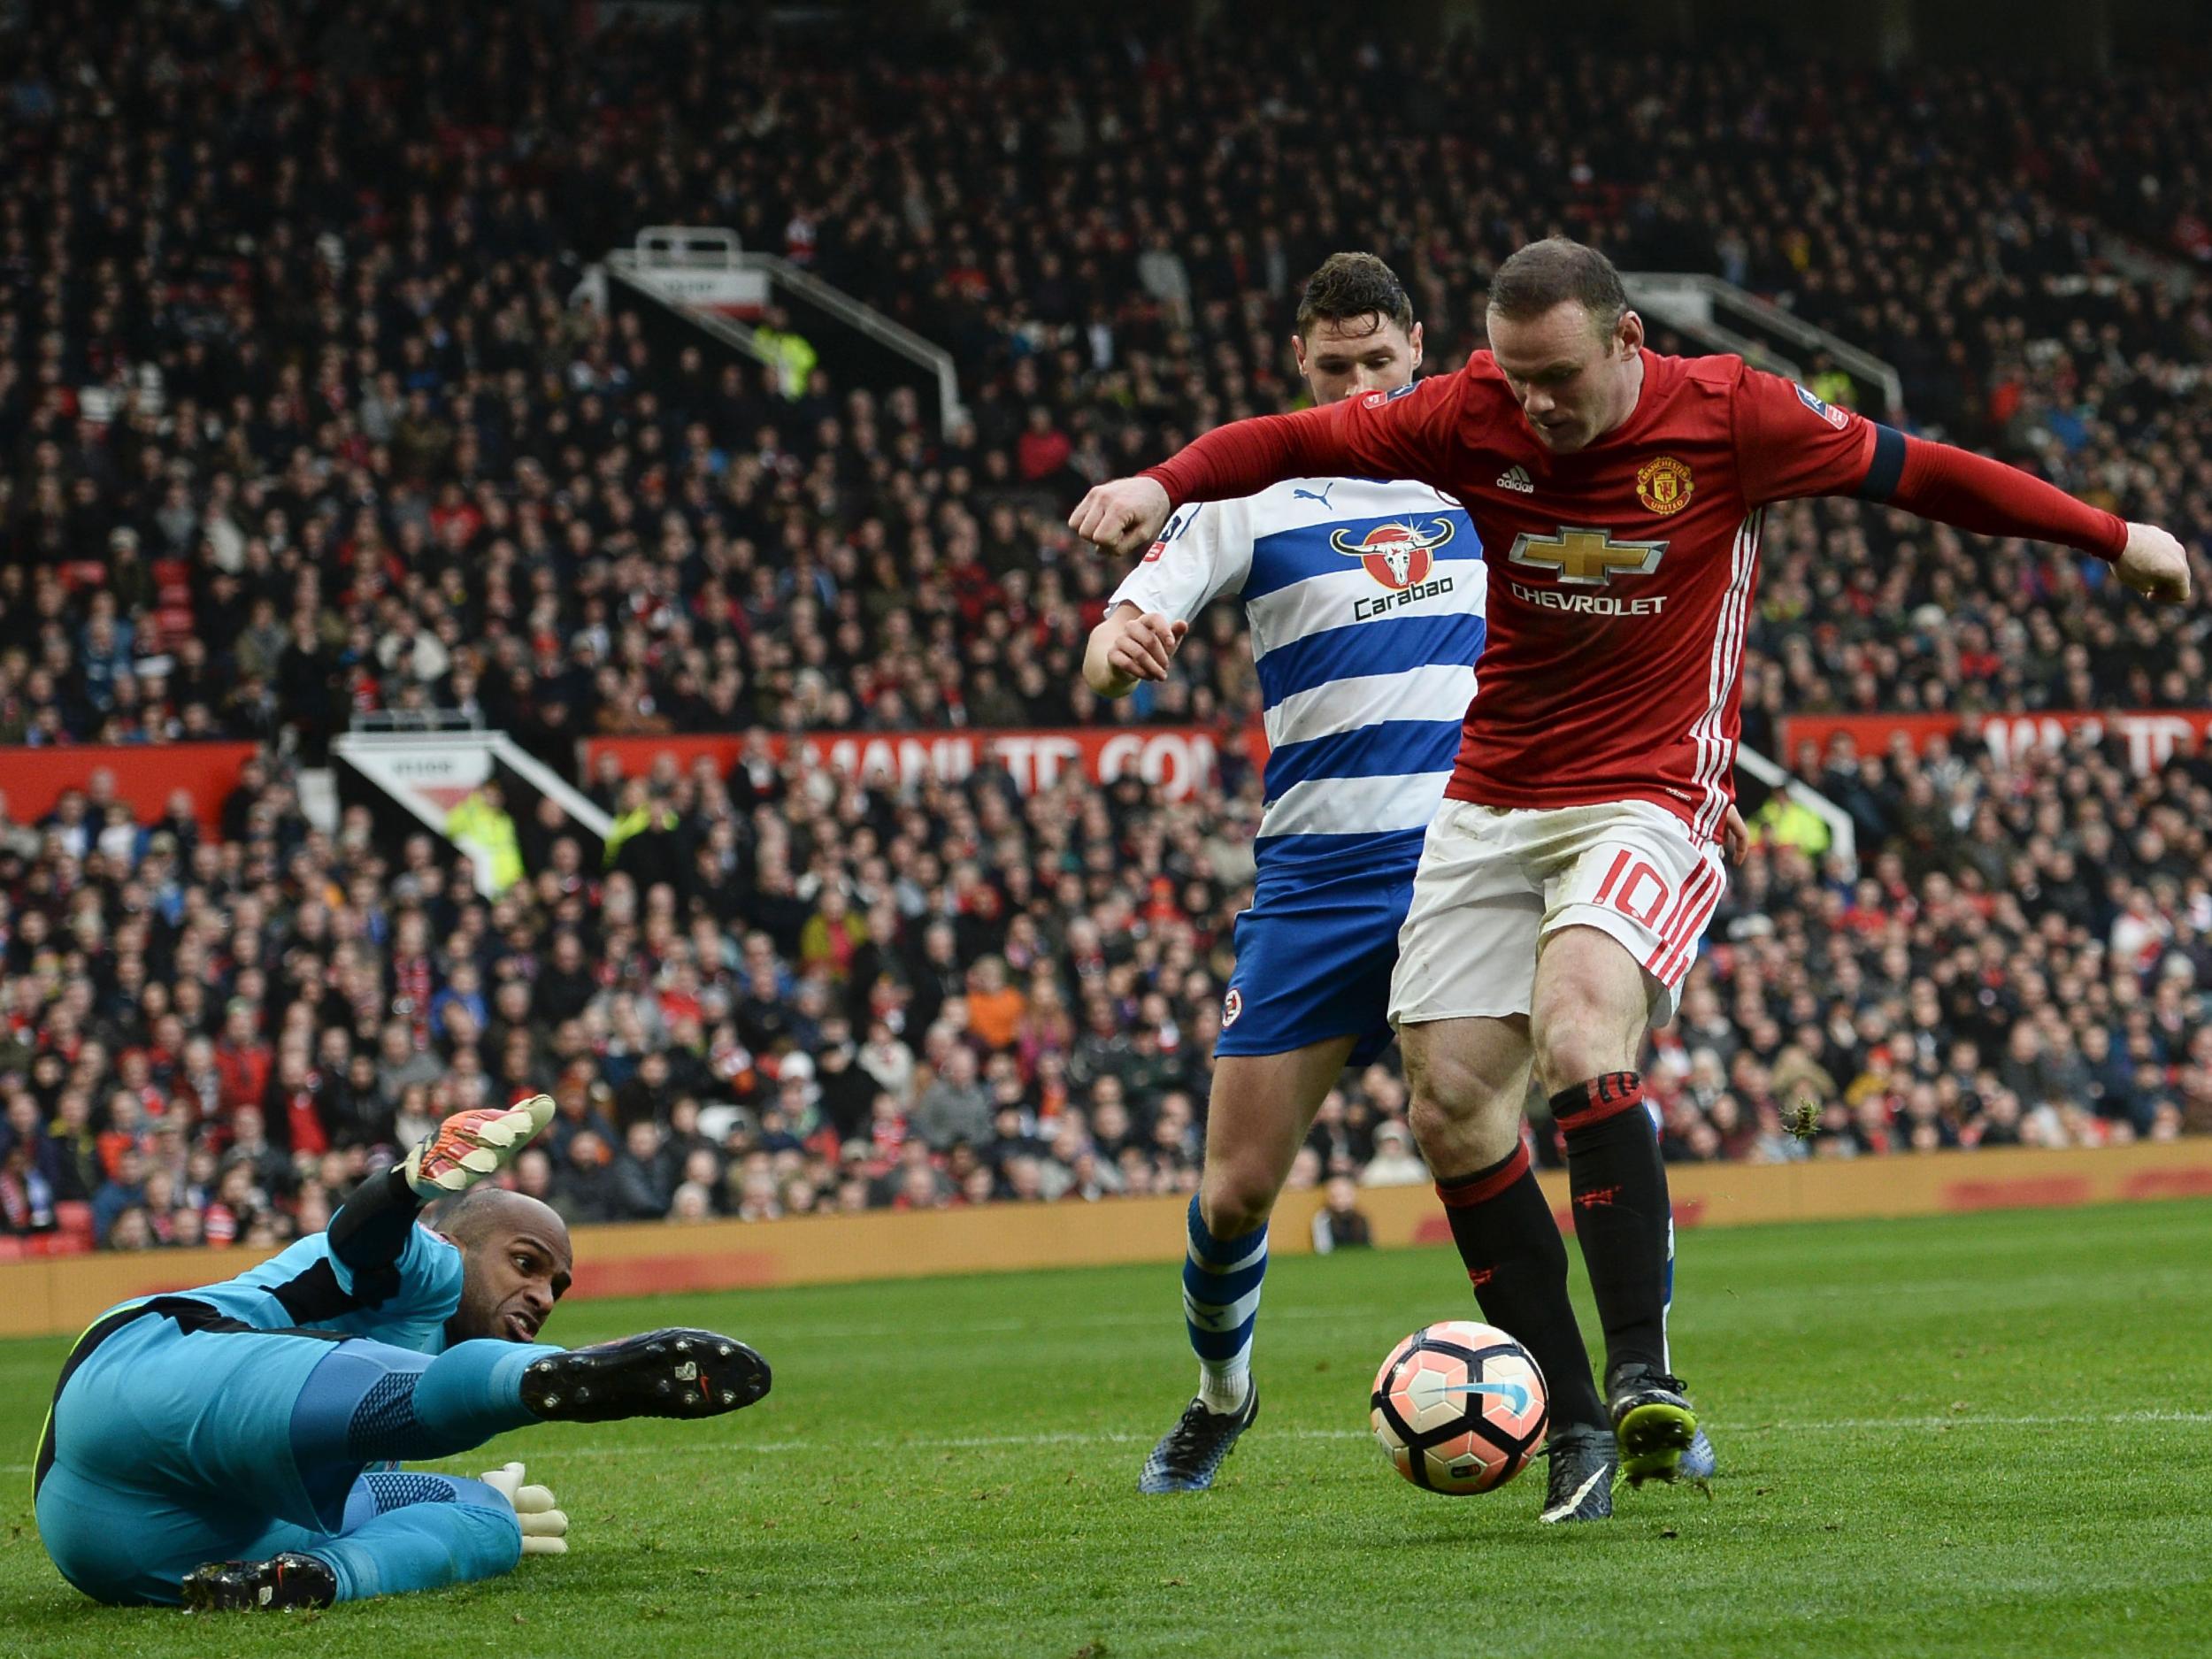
[(1587, 558)]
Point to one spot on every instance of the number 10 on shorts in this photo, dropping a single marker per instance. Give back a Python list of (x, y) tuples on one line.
[(1634, 888)]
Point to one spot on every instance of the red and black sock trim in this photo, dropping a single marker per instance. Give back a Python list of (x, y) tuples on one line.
[(1605, 1096), (1484, 1185)]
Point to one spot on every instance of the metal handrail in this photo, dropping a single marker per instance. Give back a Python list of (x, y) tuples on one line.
[(707, 245), (893, 336), (684, 247), (622, 267), (1844, 843), (385, 722), (1656, 287)]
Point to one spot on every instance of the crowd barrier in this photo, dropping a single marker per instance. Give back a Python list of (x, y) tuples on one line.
[(60, 1295)]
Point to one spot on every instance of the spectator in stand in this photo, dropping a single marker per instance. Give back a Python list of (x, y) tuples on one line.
[(995, 1010), (1394, 1162), (130, 1229), (644, 1173), (123, 1190), (243, 1061), (26, 1190), (953, 1107), (1338, 1225)]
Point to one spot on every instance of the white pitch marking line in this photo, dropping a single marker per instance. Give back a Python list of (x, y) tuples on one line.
[(1103, 1436), (1107, 1437)]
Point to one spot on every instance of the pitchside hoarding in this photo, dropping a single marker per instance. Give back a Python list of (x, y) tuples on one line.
[(2149, 739), (1180, 759)]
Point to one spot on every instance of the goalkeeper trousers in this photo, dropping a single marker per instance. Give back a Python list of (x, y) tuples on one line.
[(400, 1531), (170, 1448)]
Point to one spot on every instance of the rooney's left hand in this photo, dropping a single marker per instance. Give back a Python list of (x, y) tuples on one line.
[(2154, 565), (1735, 836)]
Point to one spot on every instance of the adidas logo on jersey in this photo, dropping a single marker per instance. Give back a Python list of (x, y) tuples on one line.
[(1514, 478)]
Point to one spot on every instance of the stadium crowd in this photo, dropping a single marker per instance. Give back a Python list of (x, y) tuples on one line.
[(299, 421), (797, 992)]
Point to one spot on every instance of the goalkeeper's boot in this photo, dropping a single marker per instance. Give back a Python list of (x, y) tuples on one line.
[(1584, 1463), (1188, 1453), (1654, 1420), (672, 1373), (1697, 1462), (471, 1145), (271, 1585)]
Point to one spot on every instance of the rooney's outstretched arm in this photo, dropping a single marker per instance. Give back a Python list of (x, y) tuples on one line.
[(1790, 444), (1971, 492), (1406, 434)]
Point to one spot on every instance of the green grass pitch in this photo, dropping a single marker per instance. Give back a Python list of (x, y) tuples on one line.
[(1984, 1436)]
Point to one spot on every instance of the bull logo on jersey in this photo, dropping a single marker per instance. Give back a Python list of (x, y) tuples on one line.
[(1396, 555)]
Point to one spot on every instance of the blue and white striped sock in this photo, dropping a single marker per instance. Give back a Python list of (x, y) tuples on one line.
[(1221, 1300)]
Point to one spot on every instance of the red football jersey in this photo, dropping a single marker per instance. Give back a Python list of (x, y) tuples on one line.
[(1621, 577)]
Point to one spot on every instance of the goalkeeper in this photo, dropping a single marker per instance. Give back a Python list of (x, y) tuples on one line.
[(216, 1446)]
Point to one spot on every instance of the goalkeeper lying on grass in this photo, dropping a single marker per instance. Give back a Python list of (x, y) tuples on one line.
[(215, 1448)]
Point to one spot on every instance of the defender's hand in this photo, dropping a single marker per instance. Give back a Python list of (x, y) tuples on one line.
[(1142, 646), (1121, 515), (544, 1526), (2155, 565)]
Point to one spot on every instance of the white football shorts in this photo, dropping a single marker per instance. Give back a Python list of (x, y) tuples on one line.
[(1493, 882)]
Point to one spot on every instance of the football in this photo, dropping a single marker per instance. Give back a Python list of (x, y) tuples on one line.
[(1459, 1407)]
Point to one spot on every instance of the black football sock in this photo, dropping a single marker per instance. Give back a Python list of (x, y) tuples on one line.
[(1621, 1211), (1518, 1264)]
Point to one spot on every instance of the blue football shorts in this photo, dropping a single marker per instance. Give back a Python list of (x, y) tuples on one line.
[(1314, 958)]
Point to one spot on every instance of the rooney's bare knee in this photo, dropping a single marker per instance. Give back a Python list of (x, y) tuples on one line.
[(1429, 1120), (1574, 1044)]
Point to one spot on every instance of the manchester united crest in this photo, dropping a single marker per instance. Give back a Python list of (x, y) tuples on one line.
[(1664, 485), (1396, 555)]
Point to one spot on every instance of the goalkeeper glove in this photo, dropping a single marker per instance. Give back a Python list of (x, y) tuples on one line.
[(471, 1145), (544, 1527)]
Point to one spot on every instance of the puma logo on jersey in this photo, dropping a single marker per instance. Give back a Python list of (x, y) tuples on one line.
[(1307, 495), (1515, 478)]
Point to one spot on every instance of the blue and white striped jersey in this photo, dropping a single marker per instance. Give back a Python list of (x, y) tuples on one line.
[(1365, 601)]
